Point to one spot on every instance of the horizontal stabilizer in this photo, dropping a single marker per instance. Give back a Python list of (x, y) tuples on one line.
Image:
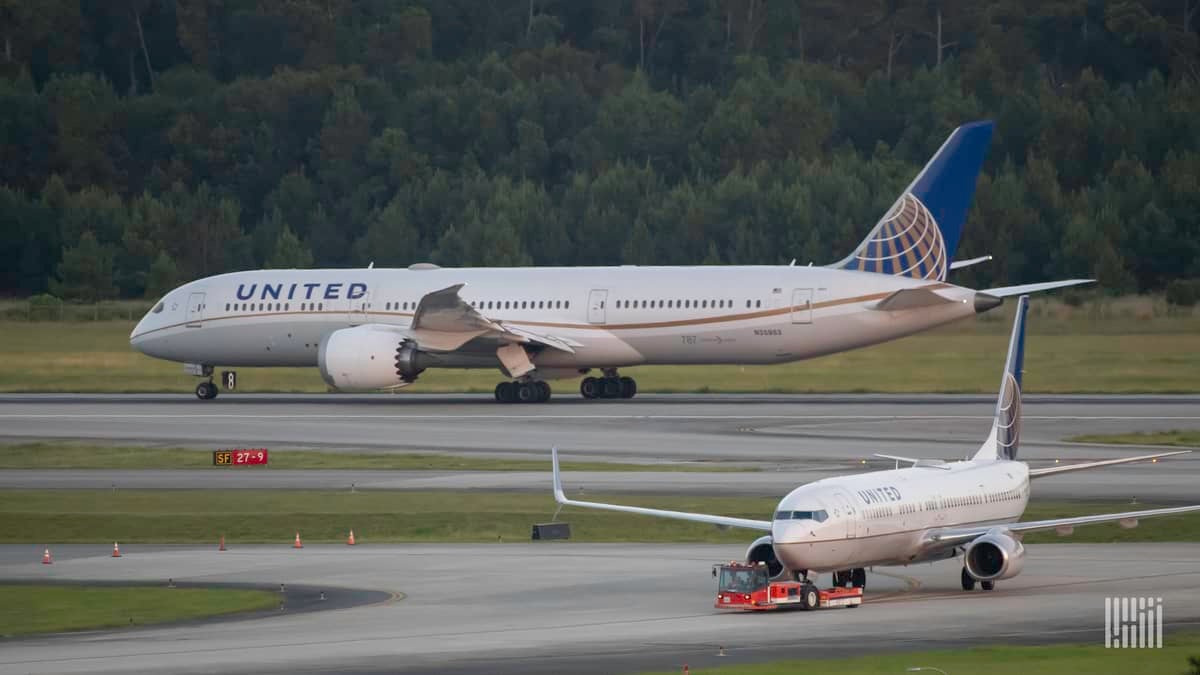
[(1067, 468), (1007, 291), (930, 463), (910, 298), (959, 264)]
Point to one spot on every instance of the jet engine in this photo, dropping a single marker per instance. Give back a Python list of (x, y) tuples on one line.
[(763, 550), (995, 555), (370, 357)]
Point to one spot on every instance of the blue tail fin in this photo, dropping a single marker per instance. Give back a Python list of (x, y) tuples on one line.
[(919, 234), (1005, 438)]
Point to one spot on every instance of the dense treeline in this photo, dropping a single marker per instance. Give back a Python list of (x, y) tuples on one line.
[(146, 142)]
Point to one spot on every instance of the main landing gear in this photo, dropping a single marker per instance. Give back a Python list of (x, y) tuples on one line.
[(855, 578), (531, 391), (609, 386), (968, 582)]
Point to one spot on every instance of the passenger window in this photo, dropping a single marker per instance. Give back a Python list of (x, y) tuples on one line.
[(320, 306), (747, 304), (758, 303)]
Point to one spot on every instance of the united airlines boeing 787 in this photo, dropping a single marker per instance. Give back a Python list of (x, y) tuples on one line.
[(933, 510), (381, 328)]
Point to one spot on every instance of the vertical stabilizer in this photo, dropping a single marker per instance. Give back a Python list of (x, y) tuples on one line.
[(918, 235), (1005, 437)]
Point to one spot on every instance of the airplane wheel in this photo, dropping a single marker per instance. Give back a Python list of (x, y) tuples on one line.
[(987, 585), (810, 597), (527, 392), (858, 577), (589, 388), (968, 581), (543, 392), (206, 391), (611, 387), (628, 387), (500, 391), (506, 392), (840, 579)]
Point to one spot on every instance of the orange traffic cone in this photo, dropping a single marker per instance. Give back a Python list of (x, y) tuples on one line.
[(297, 544), (221, 547), (46, 559), (116, 550), (350, 541)]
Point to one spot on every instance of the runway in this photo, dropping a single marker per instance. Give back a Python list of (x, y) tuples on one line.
[(790, 439), (584, 608)]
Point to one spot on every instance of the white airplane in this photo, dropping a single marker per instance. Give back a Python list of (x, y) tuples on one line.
[(369, 329), (931, 511)]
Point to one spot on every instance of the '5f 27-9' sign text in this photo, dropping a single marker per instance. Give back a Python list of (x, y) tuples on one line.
[(240, 457)]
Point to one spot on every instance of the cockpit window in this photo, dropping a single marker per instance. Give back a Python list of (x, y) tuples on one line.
[(157, 308), (819, 516)]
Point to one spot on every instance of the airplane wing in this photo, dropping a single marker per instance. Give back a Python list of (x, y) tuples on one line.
[(1006, 291), (724, 521), (444, 322), (1065, 468), (961, 535)]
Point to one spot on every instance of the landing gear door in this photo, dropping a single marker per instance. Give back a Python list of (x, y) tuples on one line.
[(802, 299), (195, 310), (597, 300)]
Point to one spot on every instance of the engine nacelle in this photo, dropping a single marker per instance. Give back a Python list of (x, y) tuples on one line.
[(763, 550), (995, 555), (369, 357)]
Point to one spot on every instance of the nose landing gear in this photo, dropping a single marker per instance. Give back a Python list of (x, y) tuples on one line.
[(206, 391)]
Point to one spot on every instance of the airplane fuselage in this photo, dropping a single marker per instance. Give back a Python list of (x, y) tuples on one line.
[(886, 517), (622, 316)]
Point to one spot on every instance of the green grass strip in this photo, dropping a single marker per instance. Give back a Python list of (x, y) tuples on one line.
[(85, 456), (1177, 438), (273, 516), (45, 608), (1111, 355)]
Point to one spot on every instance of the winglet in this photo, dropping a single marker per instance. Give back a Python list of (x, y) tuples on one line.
[(558, 491), (1005, 437)]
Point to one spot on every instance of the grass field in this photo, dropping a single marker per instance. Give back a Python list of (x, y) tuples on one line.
[(1177, 438), (84, 456), (1092, 659), (1131, 346), (44, 608), (273, 516)]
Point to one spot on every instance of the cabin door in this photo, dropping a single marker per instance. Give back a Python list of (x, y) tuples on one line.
[(802, 305), (195, 310), (597, 300)]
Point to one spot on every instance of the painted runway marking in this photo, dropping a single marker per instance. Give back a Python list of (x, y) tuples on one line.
[(521, 418)]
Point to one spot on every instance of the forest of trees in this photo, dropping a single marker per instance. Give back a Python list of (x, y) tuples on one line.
[(147, 142)]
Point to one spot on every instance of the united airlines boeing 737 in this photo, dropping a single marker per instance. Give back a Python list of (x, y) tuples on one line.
[(930, 511), (371, 328)]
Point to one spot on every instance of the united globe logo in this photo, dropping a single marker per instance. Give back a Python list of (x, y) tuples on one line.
[(1008, 418), (907, 243)]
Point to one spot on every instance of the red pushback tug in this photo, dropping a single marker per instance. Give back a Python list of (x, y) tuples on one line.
[(745, 586)]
